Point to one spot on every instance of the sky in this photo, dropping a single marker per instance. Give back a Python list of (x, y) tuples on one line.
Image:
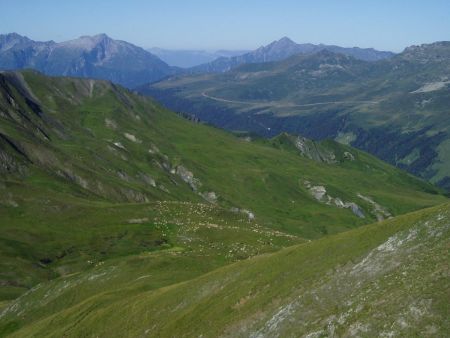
[(232, 24)]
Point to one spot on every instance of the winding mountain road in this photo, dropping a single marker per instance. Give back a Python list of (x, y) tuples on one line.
[(290, 105)]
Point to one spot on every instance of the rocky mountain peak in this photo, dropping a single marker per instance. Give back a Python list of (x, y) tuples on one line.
[(13, 36), (285, 41), (8, 41), (101, 37), (281, 44), (87, 42)]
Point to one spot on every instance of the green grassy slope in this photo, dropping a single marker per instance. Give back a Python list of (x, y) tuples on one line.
[(396, 109), (94, 178), (384, 279)]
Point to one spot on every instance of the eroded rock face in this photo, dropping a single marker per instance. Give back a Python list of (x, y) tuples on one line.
[(132, 138), (319, 192), (349, 156), (378, 210), (209, 196), (119, 145), (163, 188), (355, 209), (72, 176), (133, 195), (10, 165), (123, 176), (147, 179), (251, 216), (153, 149), (309, 149), (182, 172), (188, 177), (195, 184), (109, 123)]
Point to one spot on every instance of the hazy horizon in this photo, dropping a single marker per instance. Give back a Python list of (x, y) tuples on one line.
[(208, 26)]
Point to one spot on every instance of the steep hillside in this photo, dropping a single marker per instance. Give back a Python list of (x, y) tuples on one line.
[(396, 109), (118, 146), (385, 279), (283, 49), (96, 56)]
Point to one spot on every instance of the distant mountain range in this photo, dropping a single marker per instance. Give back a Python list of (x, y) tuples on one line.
[(284, 48), (96, 56), (191, 58), (102, 57), (396, 108)]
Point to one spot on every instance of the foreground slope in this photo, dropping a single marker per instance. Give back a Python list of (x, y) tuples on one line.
[(385, 279), (396, 109)]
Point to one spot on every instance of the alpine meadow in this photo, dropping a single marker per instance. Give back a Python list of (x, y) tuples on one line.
[(163, 176)]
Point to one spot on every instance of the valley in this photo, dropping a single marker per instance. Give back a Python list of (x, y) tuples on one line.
[(186, 169), (328, 95), (132, 198)]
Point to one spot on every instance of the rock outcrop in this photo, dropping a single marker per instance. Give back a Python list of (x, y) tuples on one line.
[(319, 192), (378, 210)]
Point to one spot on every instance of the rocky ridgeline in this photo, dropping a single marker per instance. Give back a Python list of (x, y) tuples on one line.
[(311, 150), (318, 152)]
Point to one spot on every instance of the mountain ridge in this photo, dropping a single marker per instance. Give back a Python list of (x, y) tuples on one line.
[(97, 56), (282, 49)]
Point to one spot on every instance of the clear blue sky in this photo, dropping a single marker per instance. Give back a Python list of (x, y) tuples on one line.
[(233, 24)]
